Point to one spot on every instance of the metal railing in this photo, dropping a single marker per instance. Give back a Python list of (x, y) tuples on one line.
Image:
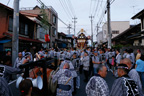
[(31, 8)]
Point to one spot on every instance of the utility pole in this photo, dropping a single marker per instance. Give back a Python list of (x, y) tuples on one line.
[(69, 27), (15, 36), (109, 24), (74, 24), (97, 28), (91, 17), (74, 28)]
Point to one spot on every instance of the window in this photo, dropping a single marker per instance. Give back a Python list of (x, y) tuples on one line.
[(54, 31), (26, 29), (54, 19), (142, 21), (115, 32), (22, 28), (10, 28), (42, 33)]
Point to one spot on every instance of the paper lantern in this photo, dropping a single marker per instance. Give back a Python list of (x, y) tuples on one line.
[(47, 38)]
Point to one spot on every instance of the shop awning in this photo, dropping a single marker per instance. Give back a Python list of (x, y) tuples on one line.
[(24, 38), (5, 41)]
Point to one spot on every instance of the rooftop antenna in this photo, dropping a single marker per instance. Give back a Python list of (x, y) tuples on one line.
[(134, 6)]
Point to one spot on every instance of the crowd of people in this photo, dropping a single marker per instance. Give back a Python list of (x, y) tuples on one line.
[(94, 63)]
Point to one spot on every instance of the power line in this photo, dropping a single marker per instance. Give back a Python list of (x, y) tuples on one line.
[(47, 8), (59, 6), (8, 2), (62, 21), (102, 15), (67, 8), (112, 2), (100, 6), (71, 7), (96, 8), (64, 9), (90, 7)]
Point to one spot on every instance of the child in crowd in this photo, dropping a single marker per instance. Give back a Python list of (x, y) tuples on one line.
[(26, 87), (113, 64)]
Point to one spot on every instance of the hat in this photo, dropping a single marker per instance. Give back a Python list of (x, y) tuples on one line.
[(27, 54)]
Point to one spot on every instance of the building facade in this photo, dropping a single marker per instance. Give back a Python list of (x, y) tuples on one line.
[(117, 27), (52, 18), (99, 38), (26, 30)]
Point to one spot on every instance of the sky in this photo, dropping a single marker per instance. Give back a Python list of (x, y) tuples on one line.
[(121, 10)]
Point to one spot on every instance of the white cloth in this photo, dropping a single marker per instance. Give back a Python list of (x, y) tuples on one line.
[(95, 59), (97, 86), (86, 63), (118, 58)]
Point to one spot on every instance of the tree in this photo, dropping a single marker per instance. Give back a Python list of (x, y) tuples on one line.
[(44, 22)]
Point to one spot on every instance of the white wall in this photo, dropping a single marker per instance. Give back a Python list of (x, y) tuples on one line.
[(121, 26), (100, 37)]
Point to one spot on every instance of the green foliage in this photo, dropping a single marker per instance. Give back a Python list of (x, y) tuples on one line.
[(120, 46), (44, 15), (117, 46)]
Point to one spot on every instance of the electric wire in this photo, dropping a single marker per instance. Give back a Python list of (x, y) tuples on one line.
[(47, 8), (71, 7), (112, 1), (8, 2), (65, 9)]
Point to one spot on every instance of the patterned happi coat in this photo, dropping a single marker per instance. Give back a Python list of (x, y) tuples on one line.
[(124, 86), (62, 76), (97, 86)]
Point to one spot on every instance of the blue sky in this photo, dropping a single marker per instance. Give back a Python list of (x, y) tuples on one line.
[(121, 10)]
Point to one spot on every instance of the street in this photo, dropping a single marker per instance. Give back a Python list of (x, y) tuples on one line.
[(80, 92)]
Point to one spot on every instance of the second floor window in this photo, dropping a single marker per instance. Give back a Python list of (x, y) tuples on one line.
[(10, 28), (54, 31), (54, 19), (26, 29), (42, 33), (23, 29), (142, 22), (115, 32)]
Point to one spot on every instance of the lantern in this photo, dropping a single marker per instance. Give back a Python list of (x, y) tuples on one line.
[(47, 38)]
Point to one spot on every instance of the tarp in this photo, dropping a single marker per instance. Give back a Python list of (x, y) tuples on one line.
[(62, 45), (5, 41)]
